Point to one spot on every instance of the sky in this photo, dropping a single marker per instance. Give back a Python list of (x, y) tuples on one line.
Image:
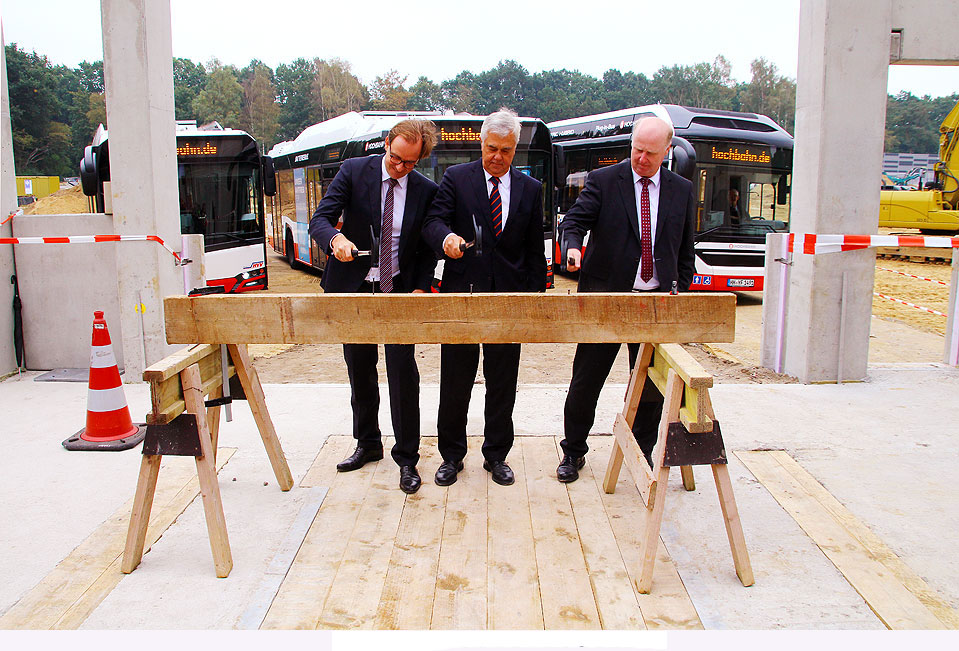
[(440, 38)]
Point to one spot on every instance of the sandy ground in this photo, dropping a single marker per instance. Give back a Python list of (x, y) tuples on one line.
[(736, 362)]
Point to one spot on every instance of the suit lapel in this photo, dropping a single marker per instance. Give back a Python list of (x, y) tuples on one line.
[(515, 192), (374, 178), (666, 195), (628, 195), (482, 195), (409, 208)]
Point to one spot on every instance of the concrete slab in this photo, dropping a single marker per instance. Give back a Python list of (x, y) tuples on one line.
[(885, 448)]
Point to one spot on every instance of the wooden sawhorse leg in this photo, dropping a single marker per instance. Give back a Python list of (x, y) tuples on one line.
[(209, 487), (254, 395)]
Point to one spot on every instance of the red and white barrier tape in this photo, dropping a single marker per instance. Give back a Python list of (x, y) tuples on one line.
[(90, 239), (903, 273), (918, 307), (812, 243)]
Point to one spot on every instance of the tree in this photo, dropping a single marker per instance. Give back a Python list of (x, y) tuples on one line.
[(388, 93), (769, 93), (260, 111), (458, 93), (561, 94), (220, 98), (702, 85), (40, 106), (293, 88), (336, 90), (425, 96), (625, 90), (508, 84), (189, 79), (91, 76)]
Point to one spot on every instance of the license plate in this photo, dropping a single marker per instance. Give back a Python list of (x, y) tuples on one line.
[(740, 282)]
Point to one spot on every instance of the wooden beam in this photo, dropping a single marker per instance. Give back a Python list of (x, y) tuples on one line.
[(450, 318)]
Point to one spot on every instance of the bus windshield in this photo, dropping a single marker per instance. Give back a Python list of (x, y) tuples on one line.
[(219, 201)]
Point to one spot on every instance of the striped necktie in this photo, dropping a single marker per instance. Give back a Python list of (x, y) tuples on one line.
[(386, 240), (496, 207)]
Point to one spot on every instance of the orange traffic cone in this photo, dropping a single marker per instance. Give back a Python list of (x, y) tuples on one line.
[(109, 426)]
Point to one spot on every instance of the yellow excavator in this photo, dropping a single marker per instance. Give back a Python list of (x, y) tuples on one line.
[(934, 210)]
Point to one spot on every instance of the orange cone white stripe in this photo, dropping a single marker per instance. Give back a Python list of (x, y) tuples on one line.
[(108, 417)]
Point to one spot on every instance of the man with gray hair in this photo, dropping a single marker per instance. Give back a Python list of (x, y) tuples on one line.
[(504, 254)]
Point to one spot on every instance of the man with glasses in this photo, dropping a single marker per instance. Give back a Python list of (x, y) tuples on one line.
[(382, 196), (641, 220), (506, 256)]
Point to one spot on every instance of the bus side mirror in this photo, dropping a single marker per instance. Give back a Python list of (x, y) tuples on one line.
[(269, 177), (88, 172), (782, 189), (684, 158)]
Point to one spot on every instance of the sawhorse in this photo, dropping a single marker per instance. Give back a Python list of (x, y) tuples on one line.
[(181, 423), (688, 435)]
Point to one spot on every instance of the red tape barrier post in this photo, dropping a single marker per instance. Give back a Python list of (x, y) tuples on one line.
[(816, 244)]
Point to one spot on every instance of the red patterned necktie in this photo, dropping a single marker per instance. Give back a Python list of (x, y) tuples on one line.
[(386, 240), (496, 207), (646, 235)]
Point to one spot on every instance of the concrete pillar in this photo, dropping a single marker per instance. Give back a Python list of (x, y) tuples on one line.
[(138, 75), (8, 202), (840, 118)]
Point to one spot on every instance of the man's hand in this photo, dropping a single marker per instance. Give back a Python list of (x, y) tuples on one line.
[(451, 246), (419, 291), (342, 248), (573, 258)]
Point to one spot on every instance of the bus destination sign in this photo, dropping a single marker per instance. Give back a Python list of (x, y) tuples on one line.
[(463, 135), (730, 153), (195, 148)]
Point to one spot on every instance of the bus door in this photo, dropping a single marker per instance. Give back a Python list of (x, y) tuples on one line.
[(302, 225)]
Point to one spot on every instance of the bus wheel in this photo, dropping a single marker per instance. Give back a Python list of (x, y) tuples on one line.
[(290, 256)]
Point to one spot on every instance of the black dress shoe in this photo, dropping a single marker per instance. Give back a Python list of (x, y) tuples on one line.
[(501, 472), (360, 457), (446, 473), (568, 469), (409, 479)]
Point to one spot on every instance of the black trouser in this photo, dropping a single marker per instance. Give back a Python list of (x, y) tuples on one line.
[(458, 365), (403, 379), (591, 367)]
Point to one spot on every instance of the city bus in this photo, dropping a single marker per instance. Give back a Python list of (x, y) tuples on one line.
[(222, 180), (740, 165), (305, 168)]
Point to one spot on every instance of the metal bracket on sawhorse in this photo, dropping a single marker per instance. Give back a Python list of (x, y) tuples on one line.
[(688, 435)]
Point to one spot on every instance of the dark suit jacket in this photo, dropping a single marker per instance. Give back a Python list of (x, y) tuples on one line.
[(516, 262), (607, 208), (355, 193)]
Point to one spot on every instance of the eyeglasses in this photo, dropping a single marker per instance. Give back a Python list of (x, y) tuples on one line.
[(396, 160)]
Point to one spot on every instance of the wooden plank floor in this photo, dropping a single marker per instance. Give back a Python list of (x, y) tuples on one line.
[(476, 555), (894, 592)]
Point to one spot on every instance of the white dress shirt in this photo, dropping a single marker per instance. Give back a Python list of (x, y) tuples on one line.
[(654, 186), (399, 206), (504, 186)]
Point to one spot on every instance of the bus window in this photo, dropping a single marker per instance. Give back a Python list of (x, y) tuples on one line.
[(575, 178)]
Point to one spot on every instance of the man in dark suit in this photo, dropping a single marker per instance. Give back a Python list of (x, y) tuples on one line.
[(508, 207), (641, 219), (385, 194)]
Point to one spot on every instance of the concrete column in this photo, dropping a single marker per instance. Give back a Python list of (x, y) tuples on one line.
[(840, 118), (138, 75), (8, 202)]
